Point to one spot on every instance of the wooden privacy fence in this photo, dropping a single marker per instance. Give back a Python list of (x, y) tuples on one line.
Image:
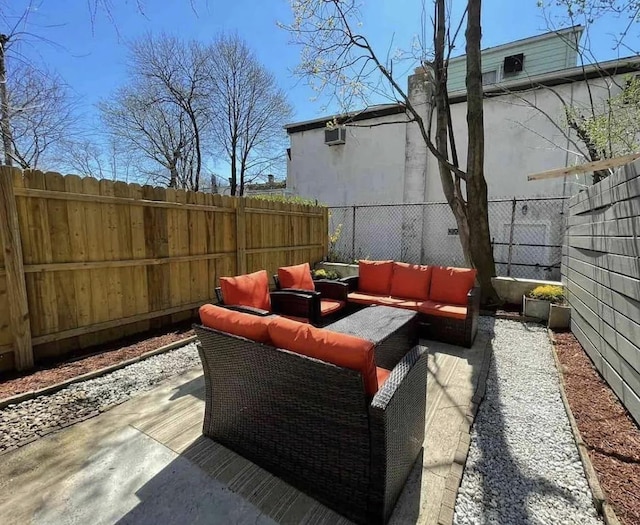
[(88, 261)]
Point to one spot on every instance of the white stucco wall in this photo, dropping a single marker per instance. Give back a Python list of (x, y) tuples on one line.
[(369, 168), (389, 164), (520, 140)]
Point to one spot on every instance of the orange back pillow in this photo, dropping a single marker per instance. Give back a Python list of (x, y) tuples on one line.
[(250, 326), (251, 289), (339, 349), (375, 277), (298, 276), (410, 281), (451, 285)]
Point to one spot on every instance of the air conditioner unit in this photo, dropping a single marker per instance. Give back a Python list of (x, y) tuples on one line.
[(335, 136)]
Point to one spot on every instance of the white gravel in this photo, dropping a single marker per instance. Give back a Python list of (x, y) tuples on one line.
[(523, 465), (23, 422)]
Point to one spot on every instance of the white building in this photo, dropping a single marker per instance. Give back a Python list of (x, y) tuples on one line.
[(374, 163)]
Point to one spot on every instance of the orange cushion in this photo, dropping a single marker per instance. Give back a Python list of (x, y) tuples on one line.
[(298, 276), (366, 298), (375, 276), (410, 281), (384, 300), (451, 285), (339, 349), (247, 290), (329, 306), (443, 310), (382, 374), (250, 326)]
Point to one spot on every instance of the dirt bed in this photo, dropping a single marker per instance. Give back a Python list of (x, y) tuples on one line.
[(609, 432), (100, 357)]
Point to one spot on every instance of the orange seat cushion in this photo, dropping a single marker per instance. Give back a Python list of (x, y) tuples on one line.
[(383, 300), (298, 276), (366, 298), (451, 285), (254, 327), (339, 349), (251, 289), (375, 277), (329, 306), (410, 281), (453, 311), (382, 374)]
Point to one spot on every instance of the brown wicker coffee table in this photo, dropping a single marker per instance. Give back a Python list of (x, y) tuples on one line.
[(394, 331)]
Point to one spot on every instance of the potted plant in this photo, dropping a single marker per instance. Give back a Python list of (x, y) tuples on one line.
[(324, 274), (547, 302)]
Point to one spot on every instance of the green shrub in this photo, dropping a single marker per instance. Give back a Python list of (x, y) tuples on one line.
[(325, 274), (291, 199), (548, 292)]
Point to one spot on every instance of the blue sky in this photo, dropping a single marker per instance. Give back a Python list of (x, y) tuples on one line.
[(91, 57)]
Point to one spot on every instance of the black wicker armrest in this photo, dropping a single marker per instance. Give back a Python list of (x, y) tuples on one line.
[(332, 289), (295, 304), (397, 415), (247, 309), (352, 282), (473, 301)]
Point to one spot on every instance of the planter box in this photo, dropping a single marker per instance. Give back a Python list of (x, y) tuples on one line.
[(537, 308), (559, 316)]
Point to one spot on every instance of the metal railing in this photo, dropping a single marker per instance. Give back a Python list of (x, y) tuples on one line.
[(526, 234)]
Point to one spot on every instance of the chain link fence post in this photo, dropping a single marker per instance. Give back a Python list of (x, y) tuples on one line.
[(511, 227), (353, 236)]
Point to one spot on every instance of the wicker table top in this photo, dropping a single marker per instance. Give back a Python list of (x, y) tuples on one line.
[(374, 323)]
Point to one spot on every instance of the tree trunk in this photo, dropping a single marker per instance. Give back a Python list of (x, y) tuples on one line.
[(234, 172), (452, 191), (5, 125), (477, 208)]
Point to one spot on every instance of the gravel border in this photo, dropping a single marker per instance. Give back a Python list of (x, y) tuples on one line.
[(23, 423), (523, 464)]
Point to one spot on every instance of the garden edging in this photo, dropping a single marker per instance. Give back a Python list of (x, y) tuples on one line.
[(599, 499), (19, 398)]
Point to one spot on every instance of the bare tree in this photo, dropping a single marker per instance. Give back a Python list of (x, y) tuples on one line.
[(337, 56), (249, 111), (40, 113), (141, 120), (177, 73)]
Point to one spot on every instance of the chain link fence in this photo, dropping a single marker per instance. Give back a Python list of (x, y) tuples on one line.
[(526, 235)]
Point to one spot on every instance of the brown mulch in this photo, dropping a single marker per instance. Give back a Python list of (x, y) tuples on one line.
[(100, 357), (610, 434)]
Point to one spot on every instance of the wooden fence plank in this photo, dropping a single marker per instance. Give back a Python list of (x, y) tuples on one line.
[(16, 286)]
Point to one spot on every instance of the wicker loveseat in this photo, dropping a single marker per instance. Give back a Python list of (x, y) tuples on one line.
[(446, 299), (310, 406)]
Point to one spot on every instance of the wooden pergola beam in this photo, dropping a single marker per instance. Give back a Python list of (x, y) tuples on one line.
[(585, 168)]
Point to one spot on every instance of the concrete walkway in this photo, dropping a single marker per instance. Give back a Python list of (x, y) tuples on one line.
[(146, 461)]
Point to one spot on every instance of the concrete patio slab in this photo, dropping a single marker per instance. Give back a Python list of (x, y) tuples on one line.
[(145, 461)]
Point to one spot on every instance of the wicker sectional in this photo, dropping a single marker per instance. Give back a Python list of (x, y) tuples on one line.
[(312, 424), (454, 323)]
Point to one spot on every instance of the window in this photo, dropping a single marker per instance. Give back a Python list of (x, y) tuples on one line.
[(489, 77)]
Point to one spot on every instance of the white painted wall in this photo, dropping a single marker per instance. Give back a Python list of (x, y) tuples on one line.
[(390, 164), (369, 168)]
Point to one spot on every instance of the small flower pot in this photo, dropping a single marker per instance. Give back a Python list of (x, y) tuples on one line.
[(537, 308), (559, 316)]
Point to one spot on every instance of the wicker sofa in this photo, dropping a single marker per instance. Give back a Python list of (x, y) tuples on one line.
[(446, 298), (310, 406)]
